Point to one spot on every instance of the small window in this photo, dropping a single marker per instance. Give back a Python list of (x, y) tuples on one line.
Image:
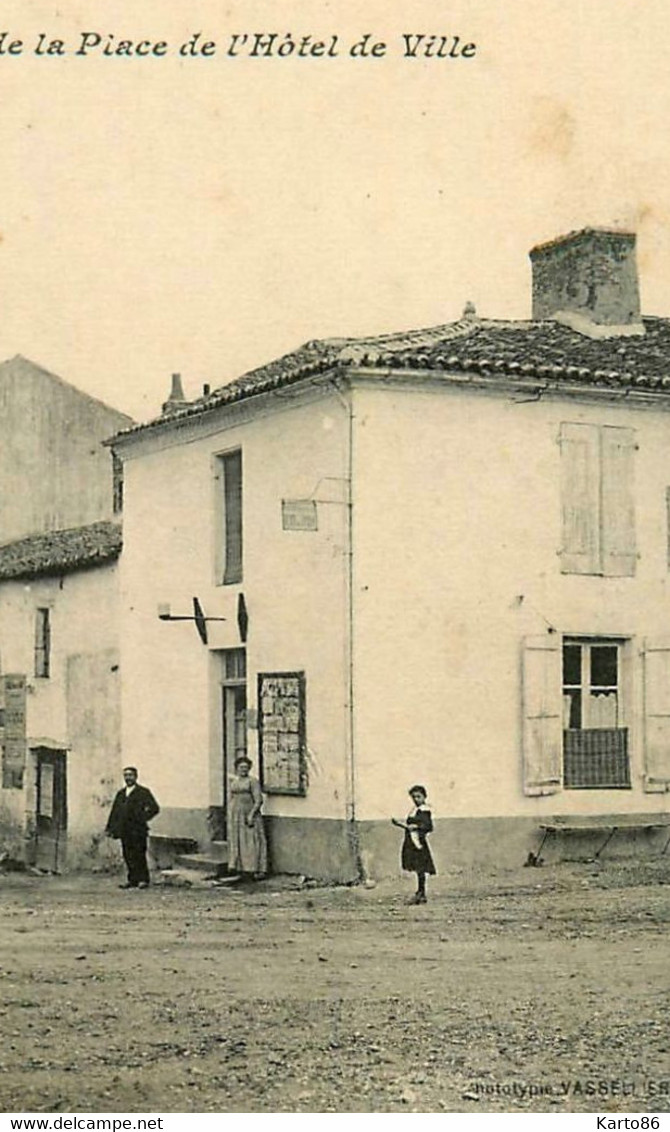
[(230, 471), (234, 664), (595, 738), (117, 484), (42, 642)]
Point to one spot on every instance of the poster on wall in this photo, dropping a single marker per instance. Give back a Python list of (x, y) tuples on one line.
[(13, 732), (281, 732)]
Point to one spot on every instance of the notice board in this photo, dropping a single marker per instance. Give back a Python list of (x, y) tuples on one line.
[(13, 729), (281, 732)]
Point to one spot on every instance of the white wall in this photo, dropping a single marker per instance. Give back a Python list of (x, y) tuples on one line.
[(76, 707), (294, 585), (456, 515)]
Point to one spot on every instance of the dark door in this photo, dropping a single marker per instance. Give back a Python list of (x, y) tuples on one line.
[(234, 734), (51, 816)]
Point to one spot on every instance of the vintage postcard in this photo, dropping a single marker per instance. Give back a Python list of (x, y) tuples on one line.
[(334, 559)]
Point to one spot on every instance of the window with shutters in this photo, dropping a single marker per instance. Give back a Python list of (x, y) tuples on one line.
[(597, 500), (542, 738), (575, 724), (229, 506), (42, 642), (595, 737), (656, 655)]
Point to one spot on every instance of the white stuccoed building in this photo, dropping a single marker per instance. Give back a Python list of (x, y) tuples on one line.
[(439, 556), (60, 540)]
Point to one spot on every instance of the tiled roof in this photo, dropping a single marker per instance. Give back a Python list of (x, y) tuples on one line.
[(547, 350), (61, 552), (307, 361)]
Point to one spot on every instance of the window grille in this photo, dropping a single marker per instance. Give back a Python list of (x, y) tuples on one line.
[(596, 759)]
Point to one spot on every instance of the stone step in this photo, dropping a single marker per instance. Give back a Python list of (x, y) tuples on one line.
[(165, 848), (210, 862), (177, 844)]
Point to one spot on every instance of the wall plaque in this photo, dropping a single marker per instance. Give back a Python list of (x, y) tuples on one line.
[(281, 732), (299, 515)]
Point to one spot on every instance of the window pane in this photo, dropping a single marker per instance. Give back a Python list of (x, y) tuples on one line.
[(46, 791), (603, 709), (604, 666), (572, 709), (572, 664), (235, 664)]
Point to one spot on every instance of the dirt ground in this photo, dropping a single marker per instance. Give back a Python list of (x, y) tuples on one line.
[(516, 991)]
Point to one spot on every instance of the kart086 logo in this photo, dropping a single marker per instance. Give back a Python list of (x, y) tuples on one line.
[(641, 1123)]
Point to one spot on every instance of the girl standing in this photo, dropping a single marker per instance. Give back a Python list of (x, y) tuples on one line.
[(248, 853), (416, 856)]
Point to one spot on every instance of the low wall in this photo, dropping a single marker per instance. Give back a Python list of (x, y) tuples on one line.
[(507, 842), (327, 849)]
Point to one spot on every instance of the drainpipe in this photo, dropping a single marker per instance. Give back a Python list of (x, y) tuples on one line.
[(350, 763)]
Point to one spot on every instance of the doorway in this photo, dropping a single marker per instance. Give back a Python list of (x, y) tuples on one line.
[(234, 716), (51, 809)]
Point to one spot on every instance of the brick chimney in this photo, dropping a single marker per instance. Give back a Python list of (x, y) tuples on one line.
[(176, 400), (588, 276)]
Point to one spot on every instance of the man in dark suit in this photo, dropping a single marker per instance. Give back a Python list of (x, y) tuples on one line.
[(133, 807)]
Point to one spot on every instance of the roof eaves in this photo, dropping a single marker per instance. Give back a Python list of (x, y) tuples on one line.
[(57, 553), (239, 390), (503, 367)]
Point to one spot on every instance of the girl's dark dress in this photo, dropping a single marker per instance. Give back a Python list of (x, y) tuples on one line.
[(416, 856)]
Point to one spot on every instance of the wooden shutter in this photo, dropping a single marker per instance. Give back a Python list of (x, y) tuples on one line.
[(619, 556), (232, 483), (657, 715), (580, 499), (542, 715), (42, 642)]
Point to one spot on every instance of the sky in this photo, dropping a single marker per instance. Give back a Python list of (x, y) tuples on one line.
[(206, 215)]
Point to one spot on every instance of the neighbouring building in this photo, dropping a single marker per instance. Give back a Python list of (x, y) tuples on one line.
[(60, 539), (438, 556), (55, 472)]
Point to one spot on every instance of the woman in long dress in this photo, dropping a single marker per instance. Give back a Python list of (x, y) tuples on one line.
[(247, 847)]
